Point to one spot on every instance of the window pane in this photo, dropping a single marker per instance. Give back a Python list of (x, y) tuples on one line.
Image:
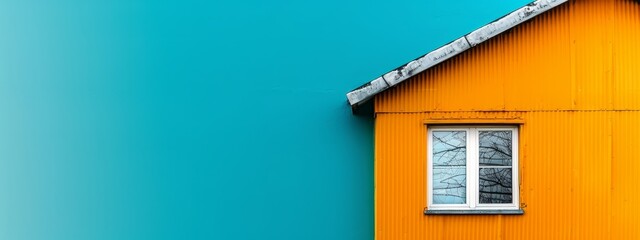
[(495, 148), (449, 185), (495, 185), (449, 148)]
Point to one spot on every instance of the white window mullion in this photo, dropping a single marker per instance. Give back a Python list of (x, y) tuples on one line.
[(469, 195), (472, 167)]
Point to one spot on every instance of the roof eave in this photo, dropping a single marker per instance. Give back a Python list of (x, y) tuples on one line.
[(364, 93)]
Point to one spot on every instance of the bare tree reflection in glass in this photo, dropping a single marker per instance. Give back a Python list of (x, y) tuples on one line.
[(495, 167), (449, 167)]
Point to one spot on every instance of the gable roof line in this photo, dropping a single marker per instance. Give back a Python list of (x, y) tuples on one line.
[(365, 92)]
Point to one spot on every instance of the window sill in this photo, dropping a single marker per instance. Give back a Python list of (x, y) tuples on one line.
[(474, 212)]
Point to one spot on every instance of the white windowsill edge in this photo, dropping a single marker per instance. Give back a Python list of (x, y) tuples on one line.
[(474, 212)]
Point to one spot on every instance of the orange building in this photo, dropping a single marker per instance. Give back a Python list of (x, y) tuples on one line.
[(527, 128)]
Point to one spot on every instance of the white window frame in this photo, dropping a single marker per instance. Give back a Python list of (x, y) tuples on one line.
[(473, 168)]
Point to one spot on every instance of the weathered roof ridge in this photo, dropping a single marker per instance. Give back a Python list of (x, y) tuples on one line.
[(365, 92)]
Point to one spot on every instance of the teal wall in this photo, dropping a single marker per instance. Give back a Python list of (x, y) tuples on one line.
[(194, 119)]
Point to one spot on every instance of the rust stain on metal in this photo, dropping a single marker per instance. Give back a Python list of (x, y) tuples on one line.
[(367, 91), (510, 20), (428, 60)]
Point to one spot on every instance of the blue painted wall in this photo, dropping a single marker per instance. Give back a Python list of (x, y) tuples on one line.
[(198, 119)]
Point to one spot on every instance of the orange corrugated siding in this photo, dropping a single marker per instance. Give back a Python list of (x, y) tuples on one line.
[(573, 75)]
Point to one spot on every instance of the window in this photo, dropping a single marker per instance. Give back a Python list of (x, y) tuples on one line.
[(473, 169)]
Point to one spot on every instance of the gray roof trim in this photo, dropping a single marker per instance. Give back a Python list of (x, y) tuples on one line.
[(367, 91)]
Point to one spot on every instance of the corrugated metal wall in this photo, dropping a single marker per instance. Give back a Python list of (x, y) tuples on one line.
[(573, 75)]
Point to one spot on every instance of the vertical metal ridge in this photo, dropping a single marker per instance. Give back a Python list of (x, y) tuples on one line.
[(563, 59), (568, 73)]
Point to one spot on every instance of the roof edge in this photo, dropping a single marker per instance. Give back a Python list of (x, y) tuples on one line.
[(367, 91)]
